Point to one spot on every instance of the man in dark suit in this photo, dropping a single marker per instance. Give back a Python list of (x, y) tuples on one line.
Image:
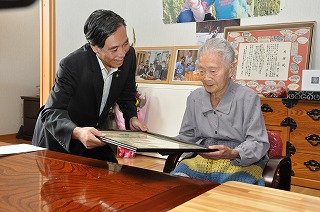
[(88, 83)]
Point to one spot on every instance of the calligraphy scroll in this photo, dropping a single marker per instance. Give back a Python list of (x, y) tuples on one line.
[(272, 54)]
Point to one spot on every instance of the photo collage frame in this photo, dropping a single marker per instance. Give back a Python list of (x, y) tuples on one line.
[(167, 65)]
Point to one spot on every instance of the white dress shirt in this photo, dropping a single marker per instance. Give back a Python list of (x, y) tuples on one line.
[(107, 79)]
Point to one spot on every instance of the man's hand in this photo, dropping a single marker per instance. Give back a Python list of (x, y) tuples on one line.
[(87, 136), (223, 152), (136, 125)]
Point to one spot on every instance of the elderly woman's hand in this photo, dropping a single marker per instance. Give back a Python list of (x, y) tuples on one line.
[(223, 152)]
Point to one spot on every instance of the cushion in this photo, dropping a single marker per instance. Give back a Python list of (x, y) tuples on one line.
[(275, 145)]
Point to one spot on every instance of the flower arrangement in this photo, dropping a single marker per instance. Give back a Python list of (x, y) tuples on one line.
[(142, 105), (140, 100)]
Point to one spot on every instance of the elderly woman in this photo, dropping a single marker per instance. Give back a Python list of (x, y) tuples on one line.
[(224, 116)]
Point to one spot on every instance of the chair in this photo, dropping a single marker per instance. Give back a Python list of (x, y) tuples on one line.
[(276, 174)]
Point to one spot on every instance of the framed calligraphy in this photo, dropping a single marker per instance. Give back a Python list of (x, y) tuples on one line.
[(272, 54), (153, 64), (184, 66), (138, 141)]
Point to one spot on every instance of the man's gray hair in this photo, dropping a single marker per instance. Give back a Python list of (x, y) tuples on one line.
[(221, 47)]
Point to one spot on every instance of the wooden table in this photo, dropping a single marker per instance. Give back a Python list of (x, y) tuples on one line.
[(236, 196), (47, 181)]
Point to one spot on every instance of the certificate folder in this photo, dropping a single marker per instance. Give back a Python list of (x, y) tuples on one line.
[(138, 141)]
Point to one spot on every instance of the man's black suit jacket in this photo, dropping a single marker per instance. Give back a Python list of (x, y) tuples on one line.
[(75, 100)]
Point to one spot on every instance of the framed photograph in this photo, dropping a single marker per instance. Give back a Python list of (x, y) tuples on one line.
[(138, 141), (213, 29), (272, 54), (153, 64), (184, 66)]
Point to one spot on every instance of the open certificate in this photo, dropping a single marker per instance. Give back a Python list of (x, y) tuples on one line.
[(138, 141)]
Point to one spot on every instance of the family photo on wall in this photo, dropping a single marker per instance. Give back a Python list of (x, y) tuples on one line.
[(182, 11), (185, 71), (174, 65), (153, 64)]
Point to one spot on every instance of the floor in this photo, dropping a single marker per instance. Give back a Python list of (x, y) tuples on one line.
[(157, 164)]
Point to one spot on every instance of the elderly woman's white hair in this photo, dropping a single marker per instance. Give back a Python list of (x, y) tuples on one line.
[(221, 47)]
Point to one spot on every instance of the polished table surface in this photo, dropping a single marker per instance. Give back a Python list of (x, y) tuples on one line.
[(236, 196), (51, 181)]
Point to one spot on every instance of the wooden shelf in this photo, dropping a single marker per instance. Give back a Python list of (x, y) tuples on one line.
[(31, 106)]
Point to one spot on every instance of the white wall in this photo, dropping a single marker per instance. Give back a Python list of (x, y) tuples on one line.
[(145, 16), (70, 19), (19, 62)]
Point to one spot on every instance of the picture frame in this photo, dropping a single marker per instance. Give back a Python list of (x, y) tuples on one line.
[(187, 73), (139, 141), (271, 54), (213, 29), (153, 64)]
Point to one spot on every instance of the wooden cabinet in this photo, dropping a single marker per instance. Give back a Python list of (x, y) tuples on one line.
[(305, 140), (31, 106), (274, 112), (298, 123)]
